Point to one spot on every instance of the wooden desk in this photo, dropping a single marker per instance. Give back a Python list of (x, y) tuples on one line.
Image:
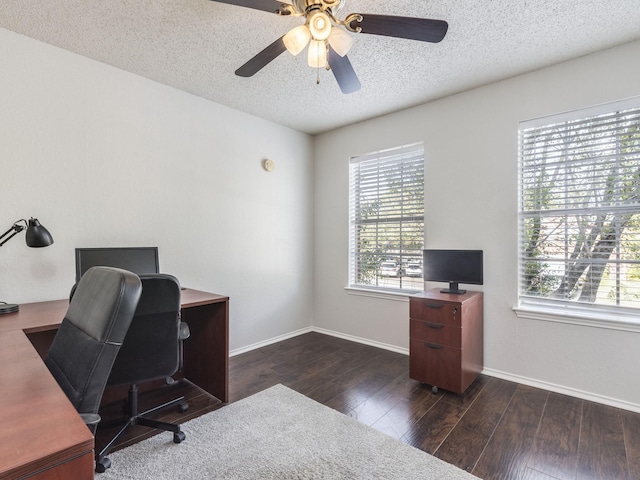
[(44, 437), (206, 351)]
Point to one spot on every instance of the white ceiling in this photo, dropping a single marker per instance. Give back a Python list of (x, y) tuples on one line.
[(196, 45)]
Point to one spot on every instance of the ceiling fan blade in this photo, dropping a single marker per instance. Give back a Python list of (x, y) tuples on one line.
[(343, 71), (422, 29), (254, 65), (271, 6)]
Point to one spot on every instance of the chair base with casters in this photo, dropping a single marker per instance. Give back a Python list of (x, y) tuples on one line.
[(135, 418), (151, 351)]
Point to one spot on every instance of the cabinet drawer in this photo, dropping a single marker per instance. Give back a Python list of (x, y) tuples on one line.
[(436, 365), (435, 333), (434, 311)]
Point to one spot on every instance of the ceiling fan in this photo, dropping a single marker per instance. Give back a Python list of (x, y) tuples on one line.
[(328, 42)]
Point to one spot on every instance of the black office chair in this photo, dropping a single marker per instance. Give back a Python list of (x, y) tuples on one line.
[(92, 331), (152, 350)]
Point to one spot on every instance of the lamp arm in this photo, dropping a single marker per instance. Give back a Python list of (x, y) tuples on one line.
[(16, 228)]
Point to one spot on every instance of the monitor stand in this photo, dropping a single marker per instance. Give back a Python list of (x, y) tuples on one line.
[(8, 307), (453, 288)]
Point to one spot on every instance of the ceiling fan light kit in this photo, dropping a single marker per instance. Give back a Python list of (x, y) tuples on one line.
[(327, 37)]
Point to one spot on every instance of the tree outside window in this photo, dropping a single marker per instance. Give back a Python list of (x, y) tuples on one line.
[(580, 208)]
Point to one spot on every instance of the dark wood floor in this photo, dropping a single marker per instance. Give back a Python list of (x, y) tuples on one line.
[(495, 430)]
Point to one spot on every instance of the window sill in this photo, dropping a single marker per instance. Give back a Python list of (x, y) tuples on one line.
[(397, 295), (605, 320)]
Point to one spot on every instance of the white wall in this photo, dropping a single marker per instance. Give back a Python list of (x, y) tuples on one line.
[(471, 155), (106, 158)]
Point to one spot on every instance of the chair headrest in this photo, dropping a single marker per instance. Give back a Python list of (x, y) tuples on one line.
[(103, 296), (160, 294)]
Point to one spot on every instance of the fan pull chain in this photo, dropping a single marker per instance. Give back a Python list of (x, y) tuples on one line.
[(326, 46), (318, 67)]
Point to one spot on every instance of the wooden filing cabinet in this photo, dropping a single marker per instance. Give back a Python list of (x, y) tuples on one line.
[(446, 339)]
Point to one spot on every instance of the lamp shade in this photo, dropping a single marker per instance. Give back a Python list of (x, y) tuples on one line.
[(319, 25), (340, 41), (317, 57), (37, 234), (296, 39)]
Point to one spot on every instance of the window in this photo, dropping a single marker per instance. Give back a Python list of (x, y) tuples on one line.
[(579, 210), (387, 219)]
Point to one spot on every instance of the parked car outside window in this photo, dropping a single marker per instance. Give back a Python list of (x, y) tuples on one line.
[(389, 269), (414, 270)]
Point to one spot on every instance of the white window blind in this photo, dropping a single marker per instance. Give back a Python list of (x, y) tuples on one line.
[(580, 209), (387, 219)]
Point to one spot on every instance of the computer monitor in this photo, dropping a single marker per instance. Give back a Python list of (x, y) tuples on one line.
[(453, 267), (138, 260)]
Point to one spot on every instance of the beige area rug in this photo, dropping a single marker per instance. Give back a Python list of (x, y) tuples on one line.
[(277, 434)]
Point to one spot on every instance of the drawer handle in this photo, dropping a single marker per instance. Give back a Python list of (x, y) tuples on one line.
[(433, 345), (434, 325), (434, 305)]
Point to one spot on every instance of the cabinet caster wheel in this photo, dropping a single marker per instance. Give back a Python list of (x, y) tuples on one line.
[(102, 465), (434, 389), (183, 407), (178, 437)]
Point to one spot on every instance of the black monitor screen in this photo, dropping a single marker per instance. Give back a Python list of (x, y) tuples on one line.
[(453, 266), (135, 259)]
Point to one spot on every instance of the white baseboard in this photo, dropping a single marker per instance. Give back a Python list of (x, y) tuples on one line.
[(572, 392), (270, 341), (366, 341)]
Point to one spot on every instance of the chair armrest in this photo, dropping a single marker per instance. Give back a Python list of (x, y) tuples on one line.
[(90, 419), (184, 331)]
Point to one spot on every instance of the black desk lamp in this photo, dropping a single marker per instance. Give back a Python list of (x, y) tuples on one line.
[(37, 236)]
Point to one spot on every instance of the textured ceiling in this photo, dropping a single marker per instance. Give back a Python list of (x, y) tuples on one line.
[(196, 45)]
